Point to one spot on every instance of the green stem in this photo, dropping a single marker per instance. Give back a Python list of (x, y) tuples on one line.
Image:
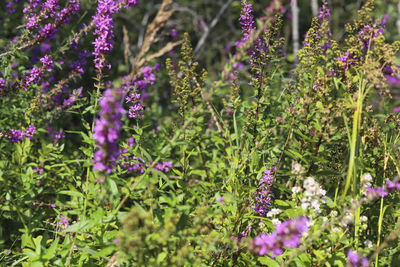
[(96, 100), (354, 139), (378, 242)]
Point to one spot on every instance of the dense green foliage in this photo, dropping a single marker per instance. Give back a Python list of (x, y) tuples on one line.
[(219, 120)]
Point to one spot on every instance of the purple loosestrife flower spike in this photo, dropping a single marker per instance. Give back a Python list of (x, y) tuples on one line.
[(263, 198), (247, 21), (104, 31), (106, 130)]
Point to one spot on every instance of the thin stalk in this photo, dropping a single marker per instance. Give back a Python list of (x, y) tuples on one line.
[(357, 227), (378, 242), (354, 138), (381, 209), (184, 146), (96, 100)]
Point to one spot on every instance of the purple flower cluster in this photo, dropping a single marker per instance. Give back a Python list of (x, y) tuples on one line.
[(79, 65), (287, 234), (129, 3), (76, 94), (164, 166), (2, 84), (246, 19), (367, 34), (355, 260), (51, 9), (63, 221), (348, 60), (263, 199), (134, 89), (36, 74), (17, 135), (56, 135), (383, 191), (106, 130), (133, 164), (10, 6), (38, 170), (103, 43)]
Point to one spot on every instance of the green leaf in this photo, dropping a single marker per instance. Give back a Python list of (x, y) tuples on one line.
[(268, 261)]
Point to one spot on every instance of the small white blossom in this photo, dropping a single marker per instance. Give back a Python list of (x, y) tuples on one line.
[(296, 189), (310, 223), (314, 195), (296, 168), (276, 221), (346, 220), (368, 243), (366, 179), (316, 206), (363, 219), (273, 212), (335, 230)]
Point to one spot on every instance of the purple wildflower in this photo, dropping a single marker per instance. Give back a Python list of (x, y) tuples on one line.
[(107, 129), (165, 166), (132, 163), (368, 34), (263, 199), (47, 63), (79, 65), (130, 3), (383, 191), (347, 60), (355, 260), (10, 6), (2, 83), (221, 200), (16, 136), (70, 101), (36, 74), (131, 141), (247, 21), (30, 131), (38, 170), (64, 221), (287, 234), (104, 31)]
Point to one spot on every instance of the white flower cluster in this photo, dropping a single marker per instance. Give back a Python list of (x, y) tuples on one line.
[(368, 243), (346, 220), (296, 168), (365, 182), (314, 195), (273, 213), (296, 189)]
